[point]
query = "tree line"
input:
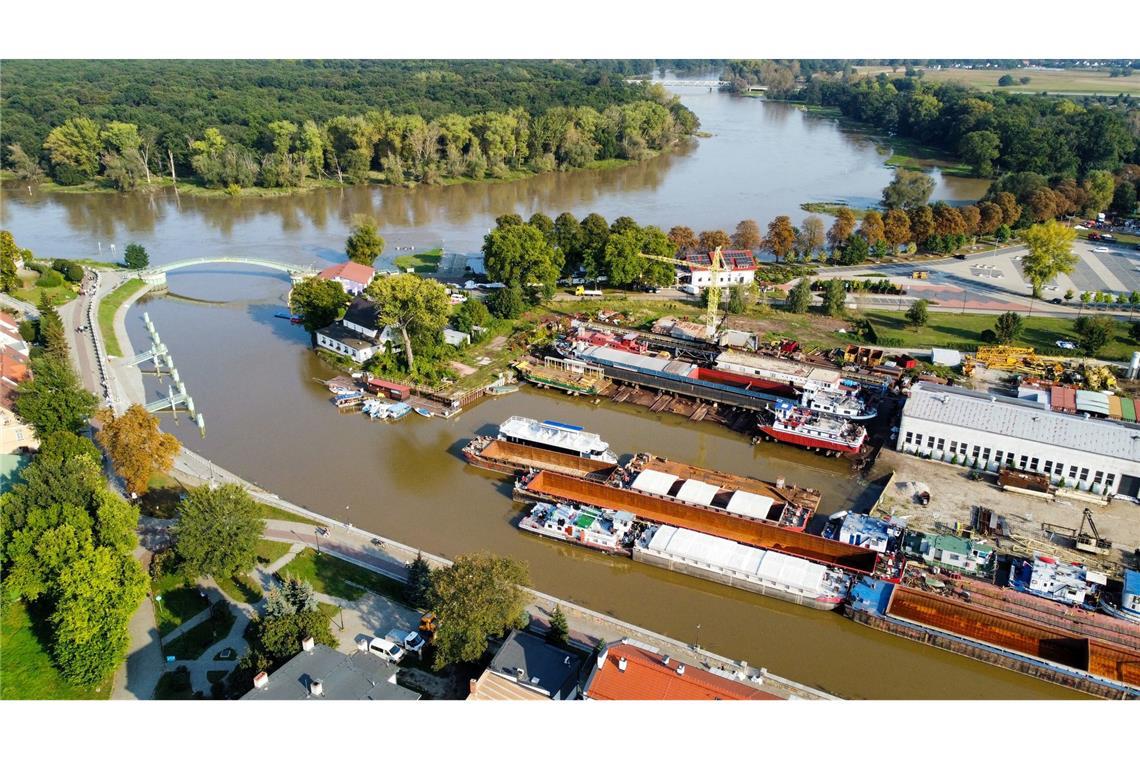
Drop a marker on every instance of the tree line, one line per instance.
(309, 135)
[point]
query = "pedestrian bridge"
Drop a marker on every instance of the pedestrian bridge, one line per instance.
(681, 82)
(156, 276)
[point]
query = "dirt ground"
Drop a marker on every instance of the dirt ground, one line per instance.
(952, 494)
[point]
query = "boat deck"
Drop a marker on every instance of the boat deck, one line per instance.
(551, 485)
(794, 495)
(523, 458)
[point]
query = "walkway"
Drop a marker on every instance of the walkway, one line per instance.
(139, 676)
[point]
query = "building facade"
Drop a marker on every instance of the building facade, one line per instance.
(987, 431)
(741, 269)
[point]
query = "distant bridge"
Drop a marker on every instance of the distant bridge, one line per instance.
(156, 276)
(681, 82)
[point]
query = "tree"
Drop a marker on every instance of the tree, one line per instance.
(747, 235)
(737, 302)
(135, 256)
(52, 399)
(811, 236)
(1008, 327)
(417, 592)
(855, 251)
(873, 228)
(506, 303)
(595, 232)
(1005, 80)
(1124, 198)
(520, 256)
(1134, 332)
(471, 313)
(623, 224)
(1069, 295)
(908, 189)
(364, 244)
(799, 297)
(9, 276)
(712, 239)
(1133, 302)
(1093, 333)
(26, 168)
(279, 637)
(1049, 253)
(479, 596)
(980, 149)
(781, 237)
(921, 223)
(415, 306)
(74, 149)
(319, 302)
(559, 632)
(841, 228)
(989, 218)
(834, 298)
(51, 333)
(896, 227)
(683, 237)
(568, 239)
(217, 531)
(1010, 210)
(1100, 186)
(136, 446)
(917, 314)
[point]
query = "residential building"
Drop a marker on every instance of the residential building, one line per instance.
(321, 672)
(13, 370)
(340, 339)
(740, 268)
(353, 277)
(362, 316)
(990, 431)
(526, 667)
(634, 671)
(15, 434)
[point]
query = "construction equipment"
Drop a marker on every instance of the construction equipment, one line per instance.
(1098, 377)
(1013, 359)
(716, 266)
(920, 275)
(1090, 543)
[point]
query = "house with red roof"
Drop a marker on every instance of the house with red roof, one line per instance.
(629, 671)
(353, 277)
(741, 268)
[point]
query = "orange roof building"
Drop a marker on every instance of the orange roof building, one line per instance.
(353, 277)
(627, 672)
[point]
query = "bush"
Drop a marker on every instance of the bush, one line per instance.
(74, 273)
(989, 336)
(50, 279)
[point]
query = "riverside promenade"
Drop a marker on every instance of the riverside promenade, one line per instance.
(390, 558)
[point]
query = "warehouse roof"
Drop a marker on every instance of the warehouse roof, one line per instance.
(1002, 415)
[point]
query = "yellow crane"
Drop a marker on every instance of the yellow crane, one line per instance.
(716, 266)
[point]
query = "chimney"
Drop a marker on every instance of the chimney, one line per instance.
(602, 658)
(316, 688)
(622, 663)
(307, 643)
(665, 662)
(520, 674)
(473, 686)
(681, 669)
(260, 680)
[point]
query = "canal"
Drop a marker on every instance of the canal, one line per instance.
(267, 419)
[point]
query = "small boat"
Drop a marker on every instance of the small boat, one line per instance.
(376, 409)
(344, 400)
(501, 390)
(398, 410)
(293, 319)
(423, 412)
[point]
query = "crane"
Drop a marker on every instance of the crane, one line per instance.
(716, 266)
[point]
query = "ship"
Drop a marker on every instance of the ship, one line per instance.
(770, 573)
(801, 426)
(556, 436)
(574, 377)
(602, 529)
(1129, 607)
(846, 404)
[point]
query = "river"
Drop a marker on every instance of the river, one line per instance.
(267, 420)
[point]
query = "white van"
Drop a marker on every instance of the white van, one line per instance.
(386, 649)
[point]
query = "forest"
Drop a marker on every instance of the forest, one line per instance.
(234, 124)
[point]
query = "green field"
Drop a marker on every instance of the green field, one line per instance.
(269, 552)
(26, 668)
(240, 588)
(180, 601)
(423, 263)
(335, 577)
(963, 331)
(107, 308)
(31, 293)
(276, 513)
(1061, 81)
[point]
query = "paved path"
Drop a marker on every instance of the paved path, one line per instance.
(145, 664)
(27, 309)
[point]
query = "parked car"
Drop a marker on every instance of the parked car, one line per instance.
(386, 649)
(1055, 300)
(411, 641)
(1100, 249)
(961, 256)
(1068, 345)
(692, 290)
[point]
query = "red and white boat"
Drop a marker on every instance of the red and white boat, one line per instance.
(801, 426)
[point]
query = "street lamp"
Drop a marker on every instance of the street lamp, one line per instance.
(698, 637)
(317, 533)
(347, 524)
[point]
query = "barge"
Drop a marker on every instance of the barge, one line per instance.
(515, 458)
(574, 377)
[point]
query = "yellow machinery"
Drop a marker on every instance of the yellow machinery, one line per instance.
(1098, 377)
(716, 266)
(920, 275)
(1014, 359)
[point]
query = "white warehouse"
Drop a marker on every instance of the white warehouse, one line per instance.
(988, 431)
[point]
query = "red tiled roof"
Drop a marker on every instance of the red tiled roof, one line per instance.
(9, 321)
(646, 677)
(349, 270)
(736, 260)
(12, 366)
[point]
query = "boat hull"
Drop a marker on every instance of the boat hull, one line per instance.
(825, 603)
(475, 460)
(807, 441)
(1111, 609)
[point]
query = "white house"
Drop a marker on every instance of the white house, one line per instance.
(358, 335)
(353, 277)
(741, 268)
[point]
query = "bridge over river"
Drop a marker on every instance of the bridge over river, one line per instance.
(156, 276)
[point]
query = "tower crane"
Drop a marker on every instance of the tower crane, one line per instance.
(716, 266)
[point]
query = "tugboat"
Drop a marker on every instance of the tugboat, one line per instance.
(804, 427)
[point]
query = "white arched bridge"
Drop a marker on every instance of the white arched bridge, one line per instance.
(156, 276)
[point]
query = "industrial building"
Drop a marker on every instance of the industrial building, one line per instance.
(989, 431)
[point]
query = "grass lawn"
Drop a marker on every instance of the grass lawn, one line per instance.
(269, 552)
(424, 263)
(32, 293)
(276, 513)
(831, 209)
(163, 495)
(335, 577)
(193, 643)
(174, 685)
(946, 329)
(1061, 81)
(27, 670)
(180, 601)
(240, 588)
(107, 308)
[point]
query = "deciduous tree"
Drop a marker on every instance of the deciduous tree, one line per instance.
(834, 298)
(747, 235)
(799, 297)
(136, 445)
(52, 398)
(364, 244)
(683, 237)
(418, 308)
(318, 302)
(519, 255)
(908, 189)
(811, 235)
(980, 149)
(873, 228)
(918, 314)
(1093, 333)
(479, 596)
(1049, 254)
(841, 228)
(713, 239)
(896, 227)
(1008, 327)
(781, 239)
(135, 256)
(217, 531)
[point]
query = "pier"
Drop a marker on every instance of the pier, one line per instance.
(177, 398)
